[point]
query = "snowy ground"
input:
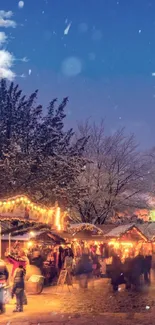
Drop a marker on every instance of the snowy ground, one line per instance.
(96, 305)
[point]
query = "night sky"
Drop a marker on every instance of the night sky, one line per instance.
(100, 53)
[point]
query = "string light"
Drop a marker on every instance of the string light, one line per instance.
(57, 219)
(46, 213)
(29, 244)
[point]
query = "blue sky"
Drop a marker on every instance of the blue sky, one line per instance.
(100, 53)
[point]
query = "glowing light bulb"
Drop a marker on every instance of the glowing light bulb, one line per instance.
(29, 244)
(32, 233)
(57, 219)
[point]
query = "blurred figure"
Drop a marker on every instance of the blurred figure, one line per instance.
(137, 270)
(68, 265)
(96, 265)
(18, 288)
(37, 260)
(4, 275)
(127, 269)
(84, 270)
(116, 273)
(147, 268)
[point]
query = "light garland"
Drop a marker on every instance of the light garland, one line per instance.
(85, 227)
(37, 213)
(24, 200)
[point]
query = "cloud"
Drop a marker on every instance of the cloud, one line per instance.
(6, 63)
(4, 19)
(6, 58)
(7, 74)
(3, 38)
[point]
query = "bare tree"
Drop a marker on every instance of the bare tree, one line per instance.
(115, 176)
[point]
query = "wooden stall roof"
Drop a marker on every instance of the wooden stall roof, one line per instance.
(148, 229)
(48, 236)
(106, 228)
(41, 236)
(85, 227)
(83, 231)
(120, 231)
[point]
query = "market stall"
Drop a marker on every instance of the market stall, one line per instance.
(21, 221)
(20, 213)
(124, 239)
(84, 236)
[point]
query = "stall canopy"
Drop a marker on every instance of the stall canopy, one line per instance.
(45, 237)
(48, 237)
(84, 231)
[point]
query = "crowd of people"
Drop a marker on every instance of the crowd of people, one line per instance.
(88, 264)
(134, 270)
(49, 263)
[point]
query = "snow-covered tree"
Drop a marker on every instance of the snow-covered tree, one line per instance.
(114, 178)
(37, 156)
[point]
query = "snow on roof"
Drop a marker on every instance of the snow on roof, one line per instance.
(77, 227)
(148, 229)
(106, 228)
(25, 237)
(120, 230)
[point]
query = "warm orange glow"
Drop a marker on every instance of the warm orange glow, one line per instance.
(29, 244)
(57, 219)
(44, 214)
(32, 233)
(116, 244)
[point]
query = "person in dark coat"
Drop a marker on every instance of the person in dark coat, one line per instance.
(147, 268)
(96, 264)
(18, 288)
(116, 271)
(60, 258)
(84, 270)
(137, 269)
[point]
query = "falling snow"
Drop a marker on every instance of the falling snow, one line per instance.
(21, 4)
(66, 31)
(71, 66)
(25, 59)
(30, 71)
